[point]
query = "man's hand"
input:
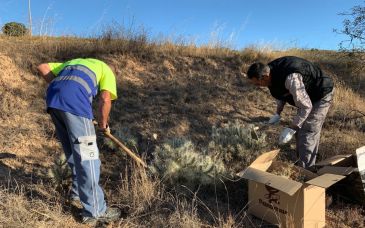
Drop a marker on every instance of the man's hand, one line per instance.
(274, 119)
(286, 135)
(45, 72)
(104, 130)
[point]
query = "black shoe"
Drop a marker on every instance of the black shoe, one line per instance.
(110, 215)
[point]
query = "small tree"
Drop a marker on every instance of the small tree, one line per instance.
(14, 29)
(354, 29)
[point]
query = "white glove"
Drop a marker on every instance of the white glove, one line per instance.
(286, 135)
(274, 119)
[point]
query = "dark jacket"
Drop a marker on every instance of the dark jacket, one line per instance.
(316, 83)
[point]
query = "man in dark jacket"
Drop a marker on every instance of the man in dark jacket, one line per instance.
(302, 84)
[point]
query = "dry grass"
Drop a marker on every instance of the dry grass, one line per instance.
(137, 191)
(166, 90)
(19, 208)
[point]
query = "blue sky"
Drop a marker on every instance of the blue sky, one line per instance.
(238, 23)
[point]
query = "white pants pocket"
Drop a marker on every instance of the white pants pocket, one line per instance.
(88, 148)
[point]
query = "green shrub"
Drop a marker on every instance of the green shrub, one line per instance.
(14, 29)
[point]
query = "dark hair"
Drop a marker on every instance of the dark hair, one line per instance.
(257, 70)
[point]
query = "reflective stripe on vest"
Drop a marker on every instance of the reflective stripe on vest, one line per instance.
(76, 79)
(84, 69)
(79, 74)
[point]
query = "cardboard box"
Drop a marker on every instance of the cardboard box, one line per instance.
(352, 188)
(285, 202)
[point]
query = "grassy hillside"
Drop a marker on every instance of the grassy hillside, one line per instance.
(165, 91)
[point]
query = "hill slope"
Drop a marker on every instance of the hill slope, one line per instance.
(164, 91)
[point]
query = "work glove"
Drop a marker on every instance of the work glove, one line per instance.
(274, 119)
(106, 130)
(286, 135)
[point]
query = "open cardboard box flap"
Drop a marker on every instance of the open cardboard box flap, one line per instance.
(264, 161)
(343, 164)
(256, 172)
(334, 160)
(336, 170)
(325, 180)
(283, 184)
(286, 185)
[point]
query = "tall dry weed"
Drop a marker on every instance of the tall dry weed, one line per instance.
(137, 191)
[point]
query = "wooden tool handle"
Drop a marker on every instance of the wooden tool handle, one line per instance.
(125, 149)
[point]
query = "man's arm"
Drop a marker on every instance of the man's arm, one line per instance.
(45, 72)
(294, 83)
(105, 105)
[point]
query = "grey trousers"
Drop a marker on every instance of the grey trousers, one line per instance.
(307, 138)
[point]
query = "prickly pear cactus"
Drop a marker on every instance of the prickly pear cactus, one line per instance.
(236, 142)
(178, 162)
